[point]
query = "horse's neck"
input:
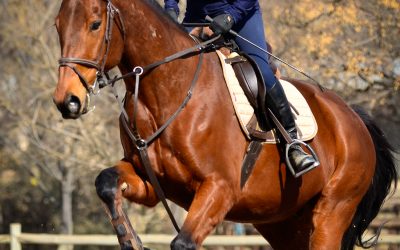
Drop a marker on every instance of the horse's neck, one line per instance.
(151, 36)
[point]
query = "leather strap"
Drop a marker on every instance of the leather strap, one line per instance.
(253, 151)
(197, 49)
(145, 161)
(83, 80)
(98, 63)
(64, 61)
(280, 127)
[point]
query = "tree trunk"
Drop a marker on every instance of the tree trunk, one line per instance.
(67, 187)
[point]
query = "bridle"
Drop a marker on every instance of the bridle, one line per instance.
(99, 63)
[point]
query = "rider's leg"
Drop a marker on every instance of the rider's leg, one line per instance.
(278, 102)
(253, 29)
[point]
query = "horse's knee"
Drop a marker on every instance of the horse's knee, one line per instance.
(106, 188)
(106, 184)
(183, 241)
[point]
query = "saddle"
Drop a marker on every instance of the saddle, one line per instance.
(246, 87)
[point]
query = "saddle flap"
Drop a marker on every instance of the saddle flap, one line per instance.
(246, 77)
(252, 83)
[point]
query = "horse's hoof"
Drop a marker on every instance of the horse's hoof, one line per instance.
(183, 242)
(127, 246)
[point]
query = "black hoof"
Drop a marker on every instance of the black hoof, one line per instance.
(126, 246)
(183, 242)
(106, 187)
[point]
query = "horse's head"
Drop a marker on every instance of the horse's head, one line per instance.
(91, 34)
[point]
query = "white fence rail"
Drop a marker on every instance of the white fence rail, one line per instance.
(16, 239)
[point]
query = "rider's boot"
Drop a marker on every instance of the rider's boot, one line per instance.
(279, 104)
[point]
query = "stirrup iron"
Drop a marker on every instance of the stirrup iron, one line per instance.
(289, 164)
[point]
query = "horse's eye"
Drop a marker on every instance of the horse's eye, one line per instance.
(95, 25)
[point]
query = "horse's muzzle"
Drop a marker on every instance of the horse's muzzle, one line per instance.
(70, 108)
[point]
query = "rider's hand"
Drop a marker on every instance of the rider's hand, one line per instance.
(172, 13)
(222, 24)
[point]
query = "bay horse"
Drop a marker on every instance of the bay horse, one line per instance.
(197, 158)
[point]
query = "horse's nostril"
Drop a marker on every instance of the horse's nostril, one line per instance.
(73, 105)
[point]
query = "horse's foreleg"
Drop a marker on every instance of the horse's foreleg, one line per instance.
(121, 181)
(210, 205)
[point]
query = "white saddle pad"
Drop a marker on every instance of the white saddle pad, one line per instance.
(305, 121)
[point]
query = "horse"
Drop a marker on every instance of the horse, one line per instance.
(197, 158)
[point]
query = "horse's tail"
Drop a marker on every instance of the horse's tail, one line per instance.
(385, 175)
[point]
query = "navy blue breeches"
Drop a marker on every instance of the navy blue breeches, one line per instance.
(252, 28)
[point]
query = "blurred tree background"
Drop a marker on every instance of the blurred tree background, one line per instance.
(48, 165)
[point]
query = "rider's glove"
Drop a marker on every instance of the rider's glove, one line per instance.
(222, 24)
(172, 13)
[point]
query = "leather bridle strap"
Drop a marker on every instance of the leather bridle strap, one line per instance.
(87, 63)
(67, 62)
(98, 64)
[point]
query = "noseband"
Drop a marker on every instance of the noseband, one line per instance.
(98, 64)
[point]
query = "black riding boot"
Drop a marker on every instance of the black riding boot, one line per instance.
(279, 105)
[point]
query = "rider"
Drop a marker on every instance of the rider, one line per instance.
(244, 17)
